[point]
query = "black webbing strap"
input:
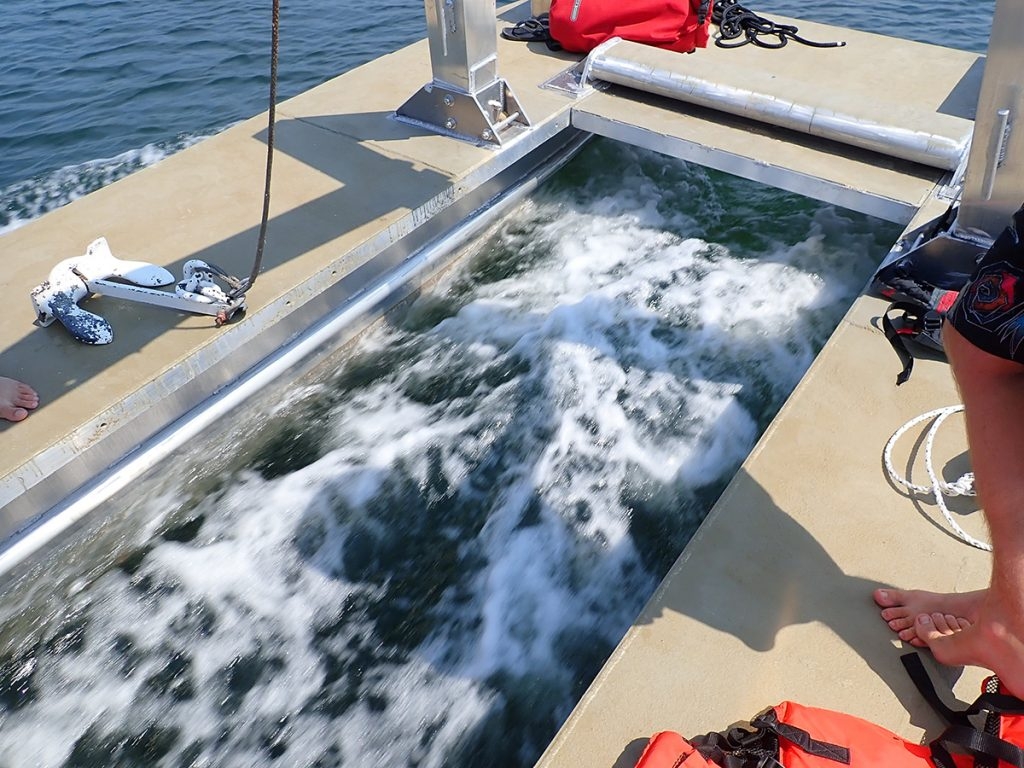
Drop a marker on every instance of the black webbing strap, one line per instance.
(803, 739)
(895, 338)
(999, 703)
(941, 756)
(919, 677)
(993, 721)
(725, 758)
(740, 748)
(961, 734)
(983, 744)
(990, 701)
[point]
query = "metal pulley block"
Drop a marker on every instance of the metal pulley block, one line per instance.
(74, 279)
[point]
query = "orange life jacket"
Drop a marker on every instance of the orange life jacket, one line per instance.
(791, 735)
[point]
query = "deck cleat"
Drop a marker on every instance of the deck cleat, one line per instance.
(74, 279)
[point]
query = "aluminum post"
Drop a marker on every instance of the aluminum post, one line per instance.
(994, 180)
(466, 98)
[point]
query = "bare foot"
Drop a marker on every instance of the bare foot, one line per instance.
(989, 643)
(16, 399)
(901, 606)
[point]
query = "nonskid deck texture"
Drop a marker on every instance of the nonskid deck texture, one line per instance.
(772, 598)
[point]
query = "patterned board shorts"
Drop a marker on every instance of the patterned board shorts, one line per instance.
(989, 311)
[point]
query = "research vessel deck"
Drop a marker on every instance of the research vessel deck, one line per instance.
(771, 599)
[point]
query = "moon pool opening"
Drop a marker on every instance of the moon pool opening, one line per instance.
(423, 554)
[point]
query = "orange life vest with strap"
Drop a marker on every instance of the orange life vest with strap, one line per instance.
(791, 735)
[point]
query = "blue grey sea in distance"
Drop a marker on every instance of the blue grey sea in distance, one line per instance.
(93, 89)
(423, 557)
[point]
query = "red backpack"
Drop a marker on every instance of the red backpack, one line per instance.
(677, 25)
(794, 736)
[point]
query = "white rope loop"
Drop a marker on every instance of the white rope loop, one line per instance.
(963, 486)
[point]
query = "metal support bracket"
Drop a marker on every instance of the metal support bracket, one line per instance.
(484, 117)
(466, 99)
(72, 280)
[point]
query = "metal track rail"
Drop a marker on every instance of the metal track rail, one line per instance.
(320, 340)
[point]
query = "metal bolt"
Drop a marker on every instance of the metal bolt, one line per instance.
(487, 135)
(448, 100)
(450, 123)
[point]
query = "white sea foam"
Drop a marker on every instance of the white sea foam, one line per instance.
(26, 201)
(509, 463)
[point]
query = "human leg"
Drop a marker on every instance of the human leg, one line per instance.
(992, 389)
(984, 340)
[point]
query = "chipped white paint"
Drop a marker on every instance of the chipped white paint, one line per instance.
(72, 280)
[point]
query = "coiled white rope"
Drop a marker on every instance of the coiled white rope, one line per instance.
(963, 486)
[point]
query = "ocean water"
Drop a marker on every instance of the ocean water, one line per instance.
(94, 89)
(422, 556)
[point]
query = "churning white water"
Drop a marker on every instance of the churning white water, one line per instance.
(423, 558)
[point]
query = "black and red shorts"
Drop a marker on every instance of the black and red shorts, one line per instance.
(989, 312)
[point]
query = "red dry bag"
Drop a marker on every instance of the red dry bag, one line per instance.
(677, 25)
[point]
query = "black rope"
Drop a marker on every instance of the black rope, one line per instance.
(261, 241)
(736, 23)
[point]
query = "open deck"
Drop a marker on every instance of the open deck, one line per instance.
(771, 599)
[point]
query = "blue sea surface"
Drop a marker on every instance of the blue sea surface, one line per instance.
(87, 80)
(93, 89)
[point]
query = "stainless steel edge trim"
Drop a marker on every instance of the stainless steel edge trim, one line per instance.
(780, 177)
(396, 268)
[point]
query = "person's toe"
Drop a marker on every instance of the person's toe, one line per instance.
(931, 626)
(12, 413)
(910, 636)
(924, 624)
(888, 598)
(26, 397)
(898, 623)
